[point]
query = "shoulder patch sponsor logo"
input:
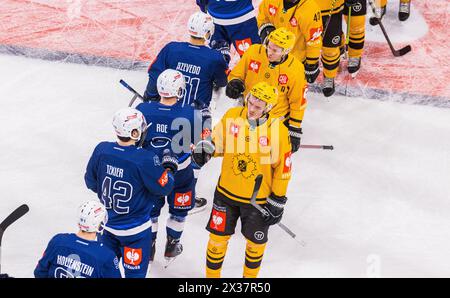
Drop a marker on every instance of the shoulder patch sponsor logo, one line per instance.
(234, 130)
(183, 199)
(218, 220)
(272, 9)
(283, 79)
(132, 256)
(254, 66)
(263, 141)
(164, 179)
(243, 45)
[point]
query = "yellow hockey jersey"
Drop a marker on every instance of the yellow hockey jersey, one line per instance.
(333, 6)
(248, 151)
(288, 77)
(304, 20)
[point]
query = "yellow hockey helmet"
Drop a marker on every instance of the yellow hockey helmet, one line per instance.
(283, 38)
(265, 92)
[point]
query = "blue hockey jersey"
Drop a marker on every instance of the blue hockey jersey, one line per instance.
(127, 180)
(69, 256)
(175, 128)
(228, 12)
(201, 66)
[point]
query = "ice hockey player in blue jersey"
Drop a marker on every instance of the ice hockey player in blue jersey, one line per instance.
(235, 22)
(203, 68)
(129, 181)
(80, 255)
(175, 128)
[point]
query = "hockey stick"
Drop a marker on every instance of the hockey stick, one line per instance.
(377, 21)
(136, 94)
(324, 147)
(329, 18)
(258, 181)
(14, 216)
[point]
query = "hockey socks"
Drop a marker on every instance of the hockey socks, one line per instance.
(217, 248)
(253, 257)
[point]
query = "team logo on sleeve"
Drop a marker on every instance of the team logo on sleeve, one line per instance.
(243, 45)
(183, 200)
(218, 220)
(234, 130)
(287, 162)
(164, 179)
(272, 10)
(283, 79)
(293, 21)
(132, 256)
(254, 66)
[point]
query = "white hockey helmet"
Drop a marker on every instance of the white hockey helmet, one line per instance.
(92, 217)
(200, 24)
(171, 83)
(128, 119)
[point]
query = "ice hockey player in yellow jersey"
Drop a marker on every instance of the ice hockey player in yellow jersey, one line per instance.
(334, 39)
(251, 142)
(404, 8)
(301, 17)
(273, 63)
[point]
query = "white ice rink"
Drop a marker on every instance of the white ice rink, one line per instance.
(378, 205)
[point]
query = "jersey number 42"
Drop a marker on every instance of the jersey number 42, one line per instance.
(116, 195)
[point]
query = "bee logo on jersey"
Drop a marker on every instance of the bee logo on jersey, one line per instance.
(164, 179)
(183, 200)
(293, 21)
(244, 165)
(254, 66)
(132, 256)
(234, 129)
(218, 220)
(272, 10)
(283, 79)
(243, 45)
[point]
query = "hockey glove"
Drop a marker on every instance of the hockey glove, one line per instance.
(264, 31)
(311, 72)
(234, 88)
(203, 5)
(274, 209)
(202, 152)
(295, 134)
(169, 162)
(223, 47)
(148, 97)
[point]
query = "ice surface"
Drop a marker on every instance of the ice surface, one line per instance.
(375, 206)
